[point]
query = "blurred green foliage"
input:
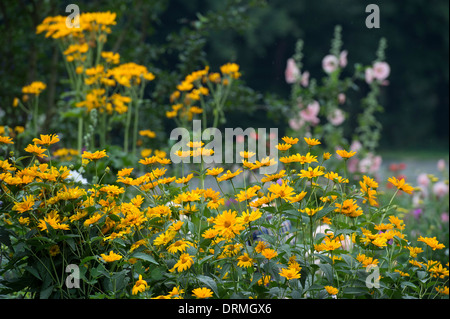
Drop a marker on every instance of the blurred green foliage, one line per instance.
(175, 37)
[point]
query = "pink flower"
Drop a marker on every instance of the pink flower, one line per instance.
(370, 164)
(441, 165)
(240, 138)
(341, 98)
(304, 81)
(369, 75)
(330, 63)
(444, 217)
(352, 165)
(381, 71)
(343, 58)
(440, 189)
(337, 117)
(310, 113)
(292, 73)
(423, 180)
(296, 124)
(356, 146)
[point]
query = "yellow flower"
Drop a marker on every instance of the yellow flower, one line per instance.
(184, 180)
(331, 290)
(139, 286)
(289, 273)
(46, 139)
(245, 261)
(348, 208)
(401, 184)
(432, 242)
(290, 140)
(111, 257)
(202, 293)
(283, 147)
(269, 253)
(6, 140)
(311, 211)
(94, 156)
(284, 191)
(247, 194)
(179, 245)
(227, 224)
(311, 173)
(36, 150)
(312, 141)
(185, 262)
(344, 154)
(246, 154)
(326, 156)
(228, 175)
(34, 88)
(24, 206)
(147, 133)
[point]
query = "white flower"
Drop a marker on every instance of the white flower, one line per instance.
(77, 177)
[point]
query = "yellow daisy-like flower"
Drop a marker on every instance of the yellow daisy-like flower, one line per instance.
(289, 273)
(6, 140)
(214, 171)
(432, 242)
(94, 156)
(111, 257)
(227, 224)
(229, 175)
(331, 290)
(269, 253)
(290, 140)
(247, 155)
(35, 150)
(344, 154)
(245, 261)
(202, 293)
(283, 147)
(401, 185)
(312, 141)
(139, 286)
(311, 173)
(46, 139)
(185, 262)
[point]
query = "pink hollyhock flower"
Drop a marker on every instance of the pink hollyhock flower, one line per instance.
(440, 189)
(341, 98)
(296, 124)
(292, 73)
(330, 63)
(369, 75)
(381, 71)
(337, 117)
(309, 114)
(356, 146)
(352, 165)
(441, 165)
(304, 81)
(370, 164)
(444, 217)
(343, 58)
(423, 180)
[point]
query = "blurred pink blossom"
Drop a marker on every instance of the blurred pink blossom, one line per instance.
(292, 73)
(352, 165)
(441, 165)
(440, 189)
(240, 138)
(296, 124)
(304, 81)
(370, 164)
(330, 63)
(381, 71)
(444, 217)
(356, 146)
(423, 180)
(309, 114)
(369, 75)
(337, 117)
(343, 58)
(341, 98)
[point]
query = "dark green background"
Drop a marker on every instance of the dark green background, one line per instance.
(169, 38)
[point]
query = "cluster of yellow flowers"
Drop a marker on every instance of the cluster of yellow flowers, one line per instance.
(162, 228)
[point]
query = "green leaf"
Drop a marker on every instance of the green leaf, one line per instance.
(328, 271)
(145, 257)
(209, 282)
